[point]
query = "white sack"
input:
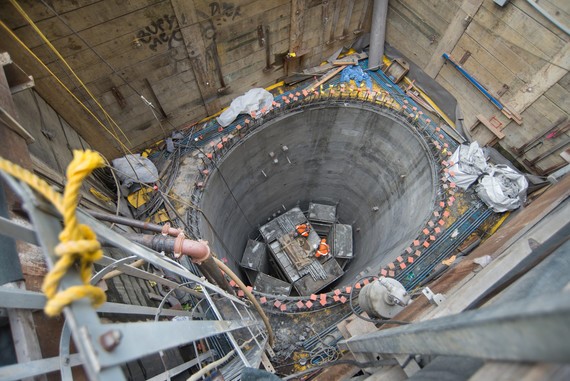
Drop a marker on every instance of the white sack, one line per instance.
(252, 101)
(135, 169)
(502, 189)
(468, 164)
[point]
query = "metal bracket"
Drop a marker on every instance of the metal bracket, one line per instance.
(436, 299)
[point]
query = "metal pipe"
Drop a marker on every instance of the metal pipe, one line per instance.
(377, 33)
(211, 268)
(164, 229)
(199, 252)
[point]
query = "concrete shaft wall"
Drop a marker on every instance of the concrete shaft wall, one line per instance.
(354, 155)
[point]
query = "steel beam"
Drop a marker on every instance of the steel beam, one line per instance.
(138, 273)
(144, 338)
(22, 299)
(13, 229)
(35, 368)
(79, 314)
(181, 368)
(148, 255)
(527, 330)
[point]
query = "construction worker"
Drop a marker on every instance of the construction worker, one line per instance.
(323, 249)
(303, 230)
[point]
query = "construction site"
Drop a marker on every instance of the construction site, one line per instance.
(364, 190)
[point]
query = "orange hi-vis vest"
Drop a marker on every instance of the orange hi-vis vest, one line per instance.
(303, 230)
(323, 249)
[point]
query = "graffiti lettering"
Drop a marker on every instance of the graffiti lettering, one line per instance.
(223, 9)
(161, 31)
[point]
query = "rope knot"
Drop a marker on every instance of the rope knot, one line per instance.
(78, 243)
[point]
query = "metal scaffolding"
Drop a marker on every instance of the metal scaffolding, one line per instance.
(104, 348)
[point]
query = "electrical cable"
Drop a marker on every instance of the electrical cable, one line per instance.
(375, 321)
(17, 39)
(115, 72)
(49, 44)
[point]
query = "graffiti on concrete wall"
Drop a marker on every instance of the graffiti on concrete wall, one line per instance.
(163, 30)
(224, 10)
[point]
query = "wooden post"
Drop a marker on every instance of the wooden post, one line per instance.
(296, 35)
(193, 39)
(16, 150)
(452, 34)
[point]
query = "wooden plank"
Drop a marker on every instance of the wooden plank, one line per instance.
(121, 55)
(31, 117)
(348, 17)
(37, 11)
(326, 22)
(502, 50)
(496, 22)
(535, 35)
(220, 14)
(558, 9)
(119, 32)
(535, 124)
(472, 102)
(296, 35)
(483, 66)
(488, 26)
(72, 139)
(543, 80)
(234, 50)
(453, 33)
(550, 110)
(425, 16)
(560, 96)
(415, 46)
(196, 48)
(60, 100)
(238, 39)
(325, 78)
(334, 22)
(297, 26)
(82, 19)
(484, 121)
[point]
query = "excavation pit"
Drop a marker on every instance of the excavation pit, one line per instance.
(369, 161)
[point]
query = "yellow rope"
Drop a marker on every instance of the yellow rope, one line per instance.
(78, 243)
(34, 182)
(46, 40)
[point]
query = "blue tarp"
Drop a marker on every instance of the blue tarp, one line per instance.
(356, 73)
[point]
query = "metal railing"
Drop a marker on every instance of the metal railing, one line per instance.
(104, 348)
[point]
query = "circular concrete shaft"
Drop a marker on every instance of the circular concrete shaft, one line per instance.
(369, 161)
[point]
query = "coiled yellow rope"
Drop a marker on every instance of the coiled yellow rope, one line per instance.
(78, 243)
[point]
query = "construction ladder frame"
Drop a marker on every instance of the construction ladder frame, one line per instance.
(129, 341)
